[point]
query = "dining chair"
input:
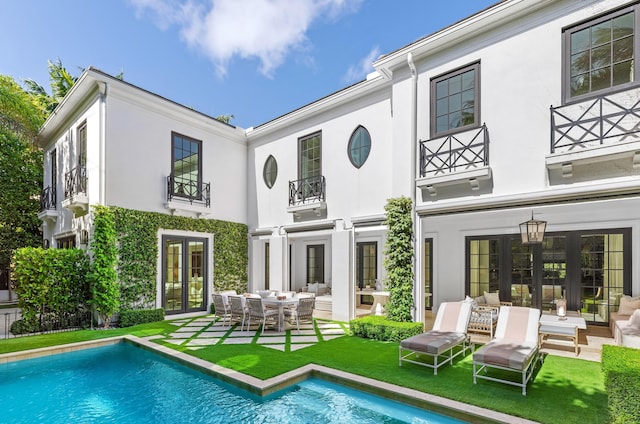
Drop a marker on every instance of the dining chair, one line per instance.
(258, 312)
(302, 312)
(238, 310)
(221, 309)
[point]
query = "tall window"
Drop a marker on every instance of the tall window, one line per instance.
(315, 263)
(68, 242)
(455, 100)
(359, 146)
(186, 166)
(310, 156)
(599, 54)
(82, 145)
(483, 266)
(428, 272)
(53, 157)
(266, 265)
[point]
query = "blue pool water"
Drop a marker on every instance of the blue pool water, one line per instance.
(122, 383)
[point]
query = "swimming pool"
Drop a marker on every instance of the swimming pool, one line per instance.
(122, 383)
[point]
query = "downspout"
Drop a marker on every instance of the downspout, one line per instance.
(102, 90)
(414, 146)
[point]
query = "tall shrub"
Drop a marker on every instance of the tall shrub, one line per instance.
(398, 260)
(50, 284)
(104, 285)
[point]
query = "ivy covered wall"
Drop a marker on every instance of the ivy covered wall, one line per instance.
(137, 239)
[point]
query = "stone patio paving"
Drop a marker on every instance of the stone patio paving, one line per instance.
(196, 333)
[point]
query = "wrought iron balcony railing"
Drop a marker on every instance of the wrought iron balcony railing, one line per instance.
(48, 199)
(604, 120)
(306, 190)
(185, 188)
(456, 152)
(75, 182)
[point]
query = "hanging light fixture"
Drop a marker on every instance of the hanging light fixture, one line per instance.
(532, 231)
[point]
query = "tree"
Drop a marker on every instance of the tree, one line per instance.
(20, 170)
(61, 82)
(398, 260)
(224, 118)
(104, 278)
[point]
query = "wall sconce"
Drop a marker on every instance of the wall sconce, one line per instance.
(84, 237)
(561, 308)
(532, 231)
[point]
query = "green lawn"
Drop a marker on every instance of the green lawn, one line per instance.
(565, 390)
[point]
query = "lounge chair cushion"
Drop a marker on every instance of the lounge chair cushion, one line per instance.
(514, 354)
(433, 342)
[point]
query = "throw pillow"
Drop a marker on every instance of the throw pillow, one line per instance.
(492, 299)
(628, 304)
(634, 321)
(480, 300)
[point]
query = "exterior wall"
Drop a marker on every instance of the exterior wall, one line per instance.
(138, 157)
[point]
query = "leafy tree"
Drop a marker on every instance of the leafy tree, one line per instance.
(398, 260)
(20, 170)
(104, 285)
(61, 82)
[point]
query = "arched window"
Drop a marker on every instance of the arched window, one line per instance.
(270, 172)
(359, 146)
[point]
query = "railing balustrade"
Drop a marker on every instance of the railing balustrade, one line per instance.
(460, 151)
(185, 188)
(75, 182)
(48, 199)
(604, 120)
(311, 189)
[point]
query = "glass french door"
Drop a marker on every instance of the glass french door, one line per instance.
(366, 268)
(183, 275)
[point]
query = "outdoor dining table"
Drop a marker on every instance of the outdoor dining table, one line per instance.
(280, 303)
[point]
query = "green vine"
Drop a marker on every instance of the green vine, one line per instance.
(137, 240)
(398, 260)
(104, 285)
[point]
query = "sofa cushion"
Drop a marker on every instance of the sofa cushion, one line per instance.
(628, 304)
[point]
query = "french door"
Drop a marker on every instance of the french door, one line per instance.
(590, 269)
(366, 268)
(184, 271)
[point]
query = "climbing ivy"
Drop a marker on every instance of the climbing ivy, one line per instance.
(137, 241)
(105, 291)
(398, 259)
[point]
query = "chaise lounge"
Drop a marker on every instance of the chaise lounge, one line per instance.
(514, 348)
(448, 334)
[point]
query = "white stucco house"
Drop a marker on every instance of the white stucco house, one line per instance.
(529, 108)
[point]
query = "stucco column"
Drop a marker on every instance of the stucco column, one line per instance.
(342, 289)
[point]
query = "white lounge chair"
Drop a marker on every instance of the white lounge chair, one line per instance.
(449, 333)
(514, 348)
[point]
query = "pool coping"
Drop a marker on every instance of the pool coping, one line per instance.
(452, 408)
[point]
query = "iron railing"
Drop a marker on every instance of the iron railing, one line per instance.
(455, 152)
(48, 199)
(75, 182)
(47, 323)
(191, 190)
(311, 189)
(607, 119)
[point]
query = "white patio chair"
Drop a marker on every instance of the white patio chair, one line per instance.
(258, 312)
(238, 310)
(221, 310)
(303, 311)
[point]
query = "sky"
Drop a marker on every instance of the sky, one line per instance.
(253, 59)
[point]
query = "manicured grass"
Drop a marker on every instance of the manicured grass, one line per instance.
(565, 390)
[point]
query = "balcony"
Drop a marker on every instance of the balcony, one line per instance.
(188, 195)
(602, 133)
(307, 196)
(48, 212)
(458, 163)
(75, 191)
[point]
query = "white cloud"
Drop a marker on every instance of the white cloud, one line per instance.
(267, 30)
(360, 70)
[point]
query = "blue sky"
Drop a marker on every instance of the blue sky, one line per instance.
(254, 59)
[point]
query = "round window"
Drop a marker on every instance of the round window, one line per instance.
(359, 146)
(270, 172)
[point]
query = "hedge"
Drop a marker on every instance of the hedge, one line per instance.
(383, 329)
(131, 317)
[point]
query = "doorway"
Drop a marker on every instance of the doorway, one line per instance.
(184, 270)
(366, 268)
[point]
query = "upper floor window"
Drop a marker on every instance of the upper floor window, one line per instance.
(359, 146)
(309, 161)
(53, 157)
(186, 166)
(455, 100)
(599, 54)
(82, 144)
(270, 171)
